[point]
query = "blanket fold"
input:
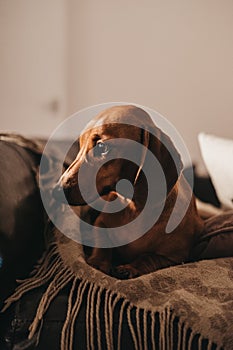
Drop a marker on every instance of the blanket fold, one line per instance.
(190, 304)
(197, 295)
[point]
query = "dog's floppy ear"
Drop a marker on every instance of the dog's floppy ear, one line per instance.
(164, 150)
(145, 137)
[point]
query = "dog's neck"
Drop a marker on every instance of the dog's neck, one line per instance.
(140, 196)
(140, 191)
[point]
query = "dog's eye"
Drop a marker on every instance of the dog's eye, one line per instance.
(101, 149)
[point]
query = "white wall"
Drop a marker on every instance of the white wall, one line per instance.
(173, 56)
(33, 72)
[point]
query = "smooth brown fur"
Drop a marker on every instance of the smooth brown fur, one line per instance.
(155, 249)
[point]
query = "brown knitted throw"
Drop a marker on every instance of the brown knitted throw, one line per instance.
(199, 295)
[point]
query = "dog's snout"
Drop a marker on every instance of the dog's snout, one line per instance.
(58, 193)
(67, 194)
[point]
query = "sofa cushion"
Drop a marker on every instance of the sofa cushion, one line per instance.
(22, 217)
(217, 154)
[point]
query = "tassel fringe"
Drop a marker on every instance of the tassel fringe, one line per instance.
(149, 330)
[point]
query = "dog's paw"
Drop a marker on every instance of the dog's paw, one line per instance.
(101, 265)
(125, 272)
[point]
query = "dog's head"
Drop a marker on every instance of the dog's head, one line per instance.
(106, 148)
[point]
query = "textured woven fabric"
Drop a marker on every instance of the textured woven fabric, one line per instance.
(200, 294)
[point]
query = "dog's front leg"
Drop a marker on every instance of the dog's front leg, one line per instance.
(144, 264)
(101, 259)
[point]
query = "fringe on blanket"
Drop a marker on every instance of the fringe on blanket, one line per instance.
(149, 330)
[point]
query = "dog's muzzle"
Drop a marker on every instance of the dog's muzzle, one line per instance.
(60, 193)
(68, 195)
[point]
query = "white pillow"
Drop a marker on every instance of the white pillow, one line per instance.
(217, 154)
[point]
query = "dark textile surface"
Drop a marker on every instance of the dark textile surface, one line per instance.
(22, 218)
(199, 293)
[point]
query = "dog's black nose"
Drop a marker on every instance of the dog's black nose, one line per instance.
(67, 195)
(58, 193)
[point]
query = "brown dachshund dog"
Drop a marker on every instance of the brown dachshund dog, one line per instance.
(155, 249)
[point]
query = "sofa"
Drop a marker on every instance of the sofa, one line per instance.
(48, 305)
